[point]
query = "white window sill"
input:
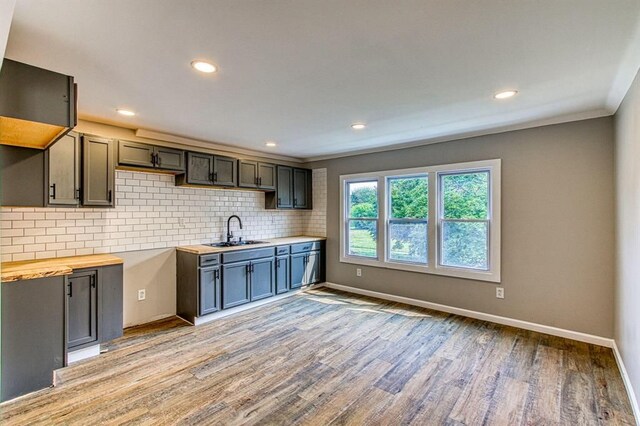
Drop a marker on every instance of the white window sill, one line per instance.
(440, 270)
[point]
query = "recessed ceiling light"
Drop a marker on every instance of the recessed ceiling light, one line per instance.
(126, 112)
(204, 66)
(358, 126)
(506, 94)
(270, 144)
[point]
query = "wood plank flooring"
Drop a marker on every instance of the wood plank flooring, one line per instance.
(327, 357)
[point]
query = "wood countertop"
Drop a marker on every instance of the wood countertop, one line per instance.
(270, 242)
(30, 269)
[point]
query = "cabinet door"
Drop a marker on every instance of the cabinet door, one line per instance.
(266, 176)
(82, 314)
(209, 290)
(285, 187)
(282, 274)
(110, 301)
(64, 171)
(298, 275)
(262, 278)
(98, 178)
(224, 171)
(169, 158)
(300, 189)
(247, 174)
(313, 268)
(135, 154)
(235, 284)
(199, 169)
(33, 343)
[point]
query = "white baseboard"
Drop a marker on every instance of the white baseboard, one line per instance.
(83, 353)
(554, 331)
(627, 383)
(248, 306)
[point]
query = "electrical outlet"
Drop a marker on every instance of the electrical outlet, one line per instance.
(500, 292)
(358, 272)
(142, 294)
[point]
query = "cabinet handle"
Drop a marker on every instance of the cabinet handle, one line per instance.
(295, 202)
(70, 294)
(260, 181)
(279, 201)
(216, 274)
(252, 268)
(93, 281)
(110, 195)
(77, 194)
(215, 177)
(158, 160)
(153, 159)
(52, 193)
(248, 268)
(277, 263)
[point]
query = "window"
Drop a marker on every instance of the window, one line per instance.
(362, 220)
(440, 219)
(408, 219)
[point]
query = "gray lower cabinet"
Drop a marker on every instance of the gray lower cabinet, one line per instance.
(236, 284)
(94, 306)
(262, 278)
(209, 288)
(207, 283)
(306, 264)
(33, 343)
(282, 274)
(98, 175)
(82, 309)
(62, 161)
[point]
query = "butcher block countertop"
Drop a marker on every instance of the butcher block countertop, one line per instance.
(268, 242)
(30, 269)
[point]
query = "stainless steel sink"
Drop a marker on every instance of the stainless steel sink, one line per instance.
(235, 243)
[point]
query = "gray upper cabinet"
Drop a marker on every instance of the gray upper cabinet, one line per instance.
(169, 158)
(266, 176)
(138, 154)
(224, 171)
(285, 187)
(63, 171)
(248, 174)
(98, 177)
(22, 177)
(135, 154)
(199, 169)
(82, 309)
(254, 174)
(293, 189)
(301, 189)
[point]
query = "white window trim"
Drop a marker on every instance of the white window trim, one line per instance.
(382, 261)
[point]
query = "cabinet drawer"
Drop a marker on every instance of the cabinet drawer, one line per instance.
(303, 247)
(209, 259)
(241, 255)
(282, 250)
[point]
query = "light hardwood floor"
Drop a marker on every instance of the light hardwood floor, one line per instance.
(326, 357)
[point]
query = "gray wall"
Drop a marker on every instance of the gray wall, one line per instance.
(627, 321)
(557, 226)
(154, 271)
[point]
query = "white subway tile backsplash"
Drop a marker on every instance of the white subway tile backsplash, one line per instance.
(152, 212)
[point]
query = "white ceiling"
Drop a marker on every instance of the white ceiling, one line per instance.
(301, 71)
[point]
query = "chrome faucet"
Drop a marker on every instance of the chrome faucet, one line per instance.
(229, 234)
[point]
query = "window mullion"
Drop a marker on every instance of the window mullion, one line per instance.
(382, 219)
(432, 225)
